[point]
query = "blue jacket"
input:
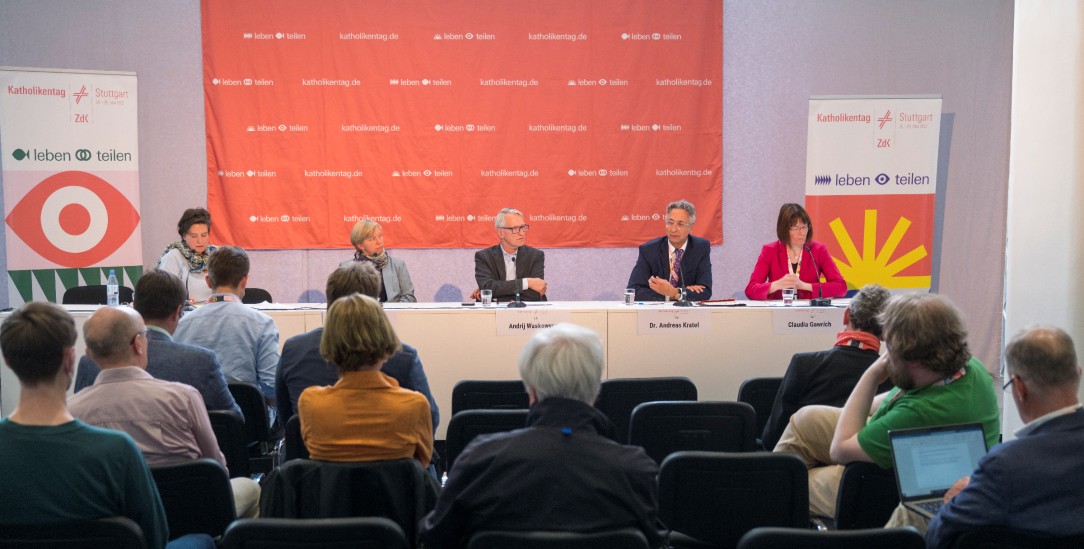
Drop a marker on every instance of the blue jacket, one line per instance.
(1032, 484)
(654, 260)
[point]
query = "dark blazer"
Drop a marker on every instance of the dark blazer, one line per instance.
(173, 361)
(1032, 483)
(654, 260)
(301, 367)
(821, 377)
(489, 272)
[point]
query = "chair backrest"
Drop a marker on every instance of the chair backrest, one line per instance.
(475, 394)
(229, 428)
(93, 295)
(759, 392)
(617, 398)
(467, 425)
(716, 497)
(295, 445)
(663, 428)
(400, 490)
(996, 537)
(252, 403)
(197, 496)
(867, 496)
(256, 295)
(805, 538)
(335, 533)
(106, 533)
(626, 538)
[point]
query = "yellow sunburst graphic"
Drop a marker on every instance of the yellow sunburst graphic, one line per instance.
(873, 266)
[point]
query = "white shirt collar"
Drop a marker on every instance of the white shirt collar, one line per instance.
(1045, 418)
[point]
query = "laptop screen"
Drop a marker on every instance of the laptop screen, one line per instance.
(929, 460)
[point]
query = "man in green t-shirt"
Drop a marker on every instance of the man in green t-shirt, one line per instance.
(937, 382)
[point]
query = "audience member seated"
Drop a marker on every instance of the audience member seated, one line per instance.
(159, 298)
(167, 420)
(301, 365)
(53, 467)
(245, 340)
(828, 377)
(1032, 483)
(677, 259)
(936, 382)
(511, 265)
(558, 473)
(366, 415)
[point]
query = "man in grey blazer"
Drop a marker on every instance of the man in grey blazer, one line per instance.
(159, 297)
(511, 264)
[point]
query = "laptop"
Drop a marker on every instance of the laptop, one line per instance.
(929, 460)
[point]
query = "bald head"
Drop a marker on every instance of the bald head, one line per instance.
(1041, 361)
(116, 337)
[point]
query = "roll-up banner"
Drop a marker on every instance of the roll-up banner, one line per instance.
(71, 180)
(871, 180)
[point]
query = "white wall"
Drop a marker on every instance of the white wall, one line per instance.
(1045, 224)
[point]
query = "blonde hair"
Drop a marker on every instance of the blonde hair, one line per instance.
(362, 231)
(357, 334)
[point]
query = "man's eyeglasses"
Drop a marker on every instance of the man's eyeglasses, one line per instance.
(517, 229)
(1005, 387)
(680, 224)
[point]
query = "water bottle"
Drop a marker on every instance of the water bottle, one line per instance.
(112, 289)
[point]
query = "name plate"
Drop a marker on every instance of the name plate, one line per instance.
(527, 321)
(794, 320)
(673, 322)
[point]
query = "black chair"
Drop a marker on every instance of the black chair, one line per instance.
(867, 496)
(711, 499)
(229, 428)
(106, 533)
(663, 428)
(626, 538)
(258, 435)
(997, 537)
(804, 538)
(93, 295)
(617, 398)
(472, 394)
(399, 490)
(344, 533)
(295, 445)
(197, 496)
(760, 393)
(256, 295)
(464, 426)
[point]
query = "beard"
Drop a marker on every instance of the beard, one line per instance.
(899, 374)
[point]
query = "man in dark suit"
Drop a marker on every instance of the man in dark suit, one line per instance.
(301, 365)
(510, 264)
(828, 377)
(1032, 483)
(159, 298)
(678, 259)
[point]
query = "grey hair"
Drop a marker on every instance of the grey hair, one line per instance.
(683, 205)
(866, 307)
(564, 361)
(1043, 355)
(498, 221)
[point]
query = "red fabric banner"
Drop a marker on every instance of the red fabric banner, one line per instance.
(431, 116)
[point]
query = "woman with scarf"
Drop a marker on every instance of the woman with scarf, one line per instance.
(367, 237)
(828, 377)
(187, 259)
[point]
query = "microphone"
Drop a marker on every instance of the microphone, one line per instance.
(820, 300)
(683, 300)
(517, 303)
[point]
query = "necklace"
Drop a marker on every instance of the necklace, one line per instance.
(795, 263)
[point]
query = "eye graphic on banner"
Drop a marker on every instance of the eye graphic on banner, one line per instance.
(74, 219)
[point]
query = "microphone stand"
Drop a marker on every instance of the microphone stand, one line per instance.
(517, 303)
(683, 300)
(820, 300)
